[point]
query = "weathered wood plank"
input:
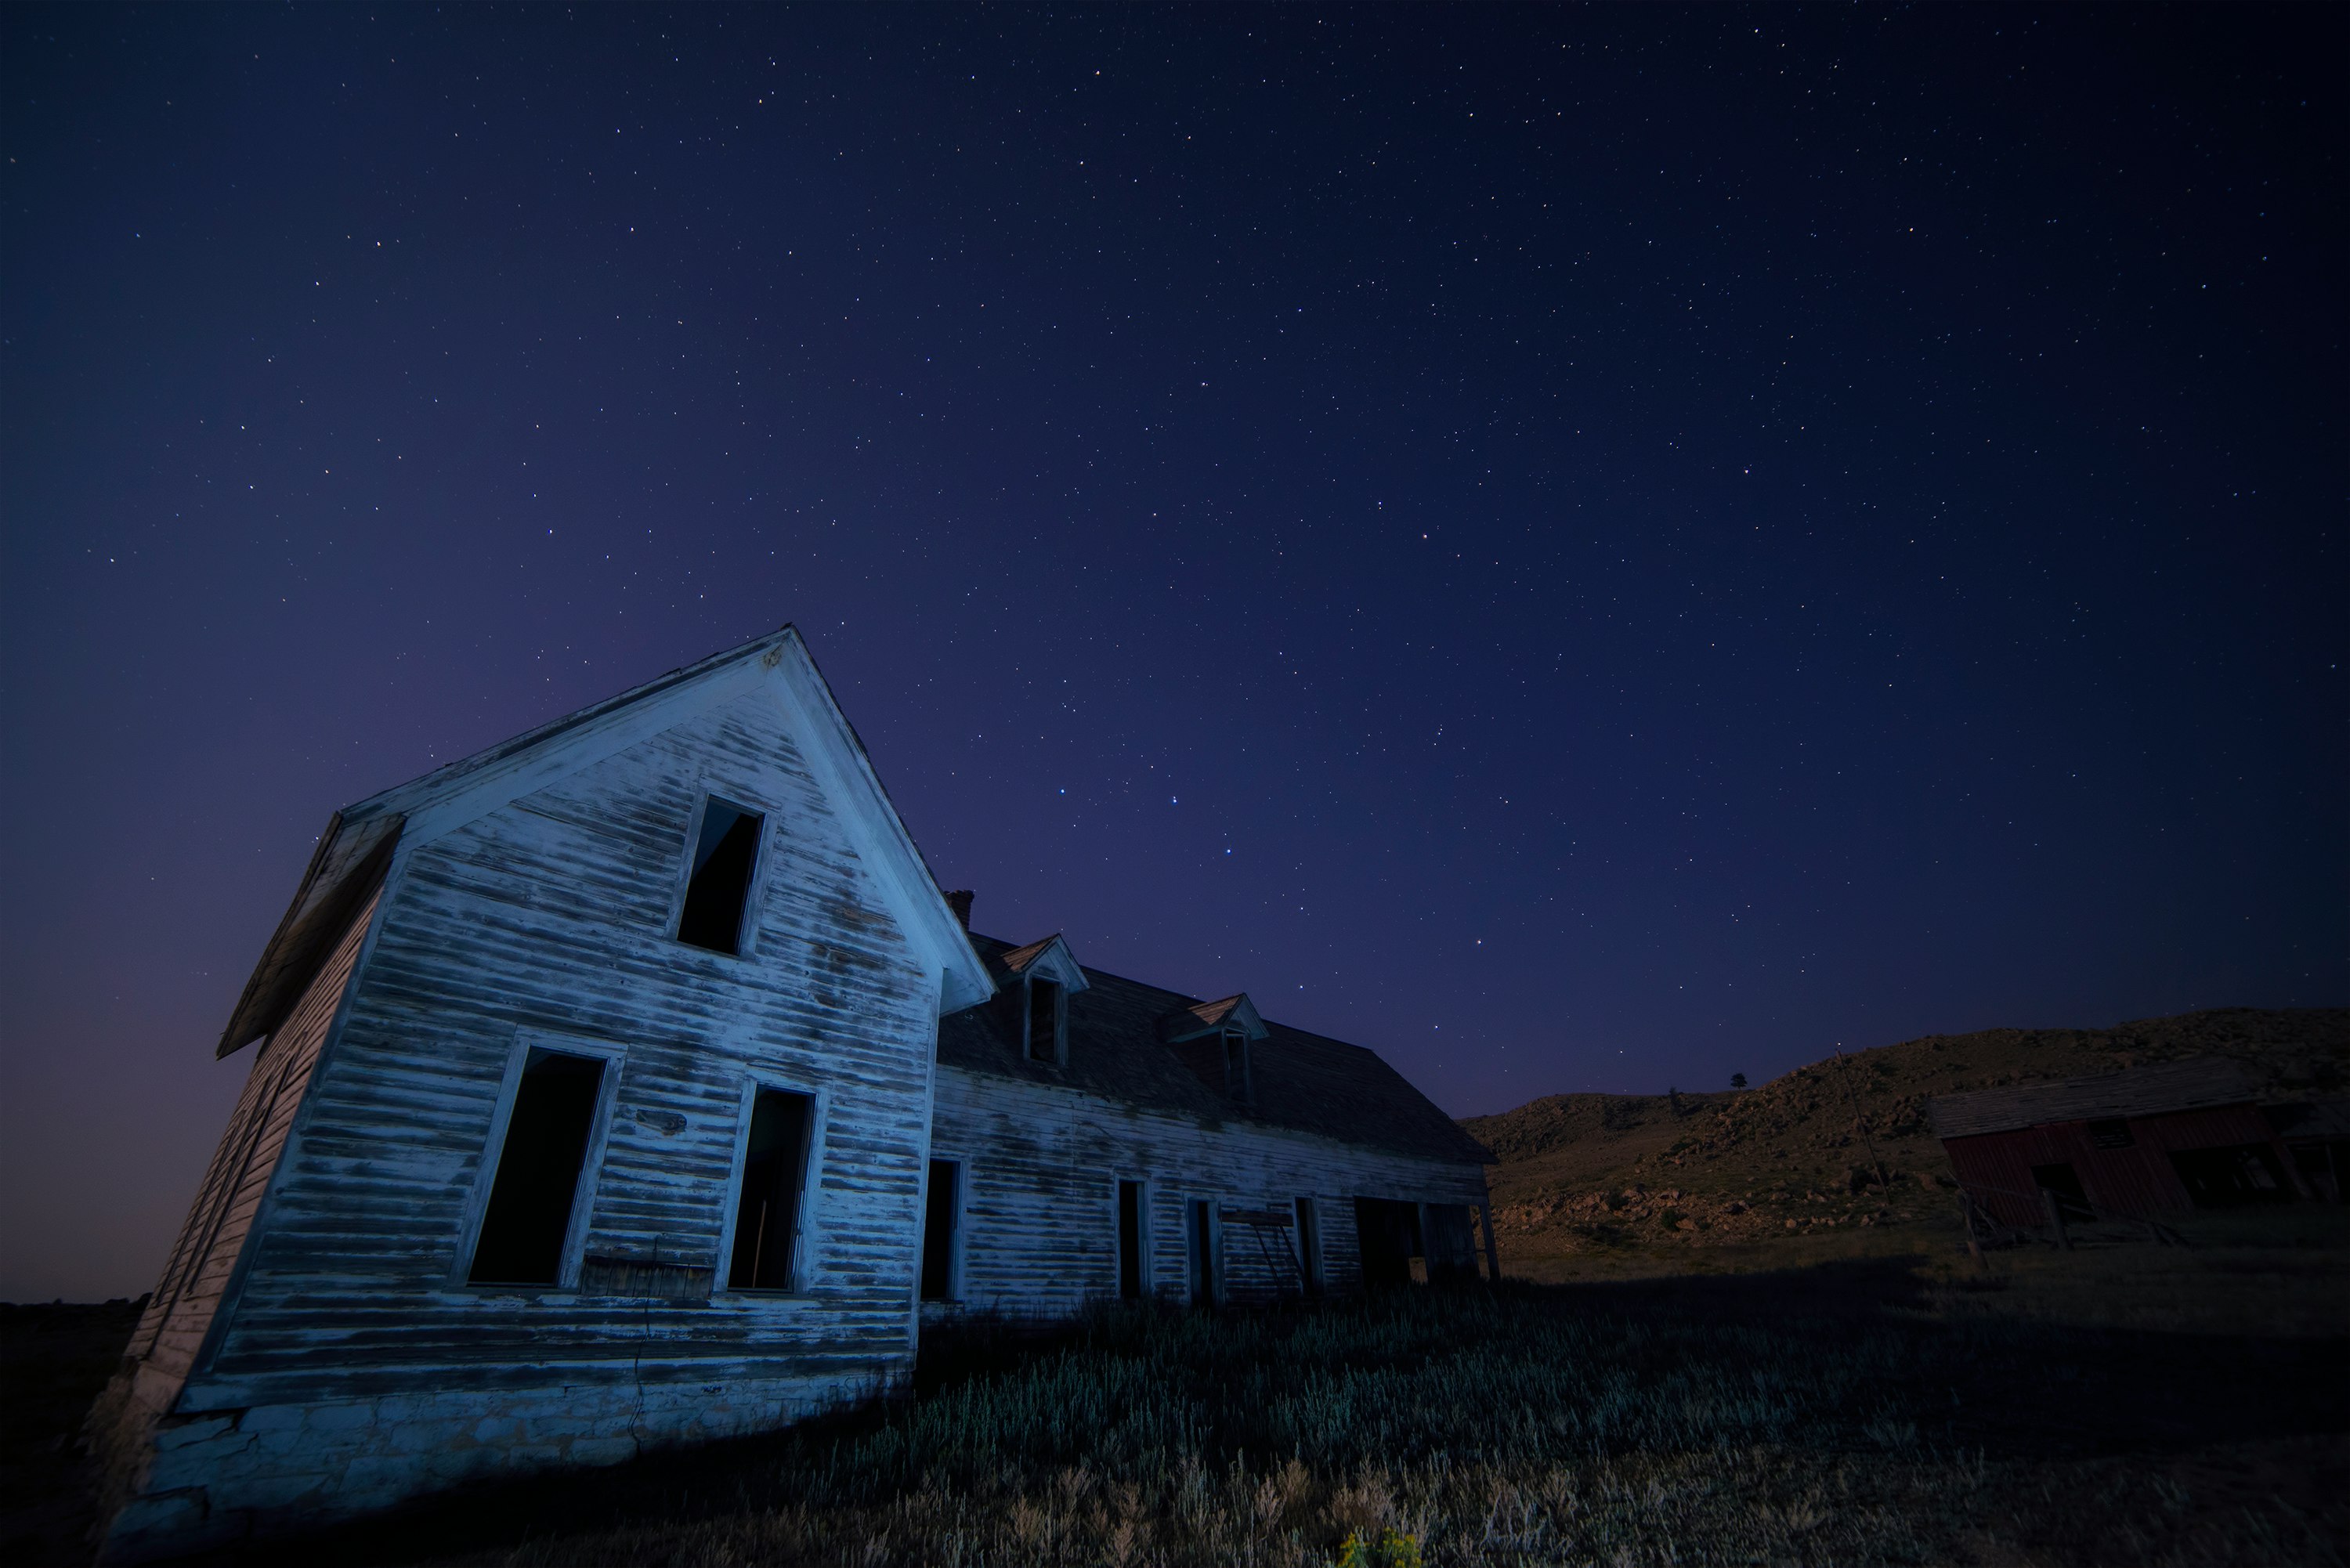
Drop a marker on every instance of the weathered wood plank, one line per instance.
(551, 913)
(1042, 1167)
(177, 1321)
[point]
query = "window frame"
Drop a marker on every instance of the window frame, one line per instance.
(1144, 1283)
(746, 935)
(1244, 1092)
(1211, 1246)
(804, 1218)
(614, 1056)
(960, 1207)
(1060, 1057)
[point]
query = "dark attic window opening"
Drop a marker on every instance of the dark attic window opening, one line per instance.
(2114, 1134)
(766, 1215)
(1236, 1066)
(1044, 1021)
(724, 857)
(538, 1183)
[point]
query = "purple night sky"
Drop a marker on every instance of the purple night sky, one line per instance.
(1579, 549)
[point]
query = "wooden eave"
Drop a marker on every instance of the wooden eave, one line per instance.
(348, 866)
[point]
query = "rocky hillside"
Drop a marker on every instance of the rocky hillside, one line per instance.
(1804, 1151)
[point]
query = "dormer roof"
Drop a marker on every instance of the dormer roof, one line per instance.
(1048, 958)
(1213, 1018)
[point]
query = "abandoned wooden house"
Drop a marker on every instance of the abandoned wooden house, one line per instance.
(633, 1083)
(2132, 1144)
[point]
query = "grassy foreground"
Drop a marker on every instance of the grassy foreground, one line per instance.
(1857, 1411)
(2122, 1403)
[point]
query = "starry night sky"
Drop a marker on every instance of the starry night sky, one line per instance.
(1580, 549)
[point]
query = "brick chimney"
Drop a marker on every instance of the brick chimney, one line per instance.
(959, 902)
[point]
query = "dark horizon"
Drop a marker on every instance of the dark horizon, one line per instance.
(1577, 549)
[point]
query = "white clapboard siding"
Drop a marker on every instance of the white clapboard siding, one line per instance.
(551, 915)
(197, 1274)
(1041, 1167)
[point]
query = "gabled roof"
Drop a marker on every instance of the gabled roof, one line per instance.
(1304, 1082)
(2201, 1082)
(358, 844)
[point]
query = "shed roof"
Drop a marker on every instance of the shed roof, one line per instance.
(1302, 1081)
(2197, 1084)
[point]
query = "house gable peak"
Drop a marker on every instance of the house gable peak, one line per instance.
(360, 841)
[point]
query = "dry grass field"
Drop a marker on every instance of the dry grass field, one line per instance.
(2122, 1403)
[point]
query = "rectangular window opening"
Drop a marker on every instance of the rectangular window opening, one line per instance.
(766, 1217)
(1044, 1021)
(1309, 1247)
(941, 1211)
(1129, 1240)
(724, 857)
(538, 1183)
(1236, 1066)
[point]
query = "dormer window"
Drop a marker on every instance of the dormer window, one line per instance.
(1217, 1040)
(1036, 983)
(1236, 1064)
(1048, 1022)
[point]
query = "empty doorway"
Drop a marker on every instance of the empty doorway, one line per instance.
(942, 1223)
(1388, 1234)
(1131, 1280)
(1309, 1247)
(1202, 1247)
(528, 1222)
(767, 1211)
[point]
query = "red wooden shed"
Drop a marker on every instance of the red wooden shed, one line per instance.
(2178, 1135)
